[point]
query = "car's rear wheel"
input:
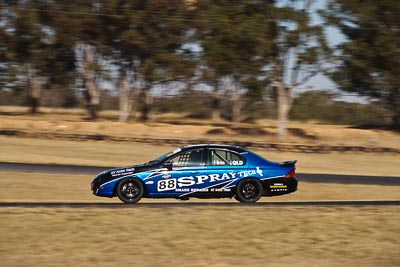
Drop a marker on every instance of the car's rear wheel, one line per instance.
(130, 190)
(248, 191)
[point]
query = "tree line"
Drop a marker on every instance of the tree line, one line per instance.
(231, 50)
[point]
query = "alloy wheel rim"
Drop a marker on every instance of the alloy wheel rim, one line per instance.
(249, 191)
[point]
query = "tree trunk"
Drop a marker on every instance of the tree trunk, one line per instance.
(128, 96)
(284, 105)
(35, 89)
(236, 108)
(91, 112)
(216, 110)
(92, 97)
(90, 102)
(396, 119)
(396, 122)
(125, 110)
(236, 101)
(147, 104)
(125, 100)
(87, 60)
(216, 103)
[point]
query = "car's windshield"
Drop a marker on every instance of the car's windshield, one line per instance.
(165, 156)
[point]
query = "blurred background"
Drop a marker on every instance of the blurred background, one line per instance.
(334, 62)
(114, 82)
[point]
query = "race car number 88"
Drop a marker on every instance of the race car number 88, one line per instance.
(164, 185)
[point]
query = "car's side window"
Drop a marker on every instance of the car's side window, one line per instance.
(223, 157)
(189, 158)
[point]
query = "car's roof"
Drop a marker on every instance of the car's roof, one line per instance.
(220, 146)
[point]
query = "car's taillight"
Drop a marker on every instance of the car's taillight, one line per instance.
(291, 174)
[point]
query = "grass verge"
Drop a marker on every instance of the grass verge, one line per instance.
(179, 126)
(194, 235)
(201, 236)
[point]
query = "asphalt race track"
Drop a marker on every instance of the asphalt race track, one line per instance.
(198, 204)
(93, 170)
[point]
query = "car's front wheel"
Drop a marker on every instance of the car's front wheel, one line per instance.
(248, 191)
(130, 190)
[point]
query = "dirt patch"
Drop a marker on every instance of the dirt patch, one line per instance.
(217, 131)
(250, 131)
(302, 133)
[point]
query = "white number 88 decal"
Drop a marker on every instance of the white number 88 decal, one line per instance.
(165, 185)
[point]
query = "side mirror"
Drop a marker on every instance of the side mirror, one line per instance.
(168, 165)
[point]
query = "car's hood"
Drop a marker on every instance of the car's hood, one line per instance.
(115, 173)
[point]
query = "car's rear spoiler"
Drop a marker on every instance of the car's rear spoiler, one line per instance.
(289, 163)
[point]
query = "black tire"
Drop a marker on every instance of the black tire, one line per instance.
(248, 191)
(130, 190)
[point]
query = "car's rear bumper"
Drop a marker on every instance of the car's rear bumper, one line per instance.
(279, 186)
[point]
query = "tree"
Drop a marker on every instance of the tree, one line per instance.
(322, 106)
(312, 105)
(235, 38)
(76, 29)
(300, 52)
(146, 40)
(143, 39)
(370, 57)
(32, 50)
(27, 49)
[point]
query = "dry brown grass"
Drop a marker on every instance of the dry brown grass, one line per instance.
(200, 236)
(194, 235)
(166, 126)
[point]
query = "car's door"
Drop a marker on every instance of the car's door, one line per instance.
(224, 167)
(180, 180)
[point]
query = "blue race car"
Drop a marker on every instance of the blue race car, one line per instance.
(201, 171)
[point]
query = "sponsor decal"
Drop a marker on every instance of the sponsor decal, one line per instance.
(166, 176)
(218, 162)
(231, 162)
(198, 189)
(279, 190)
(259, 171)
(123, 172)
(220, 189)
(276, 187)
(188, 181)
(191, 190)
(165, 185)
(251, 172)
(182, 190)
